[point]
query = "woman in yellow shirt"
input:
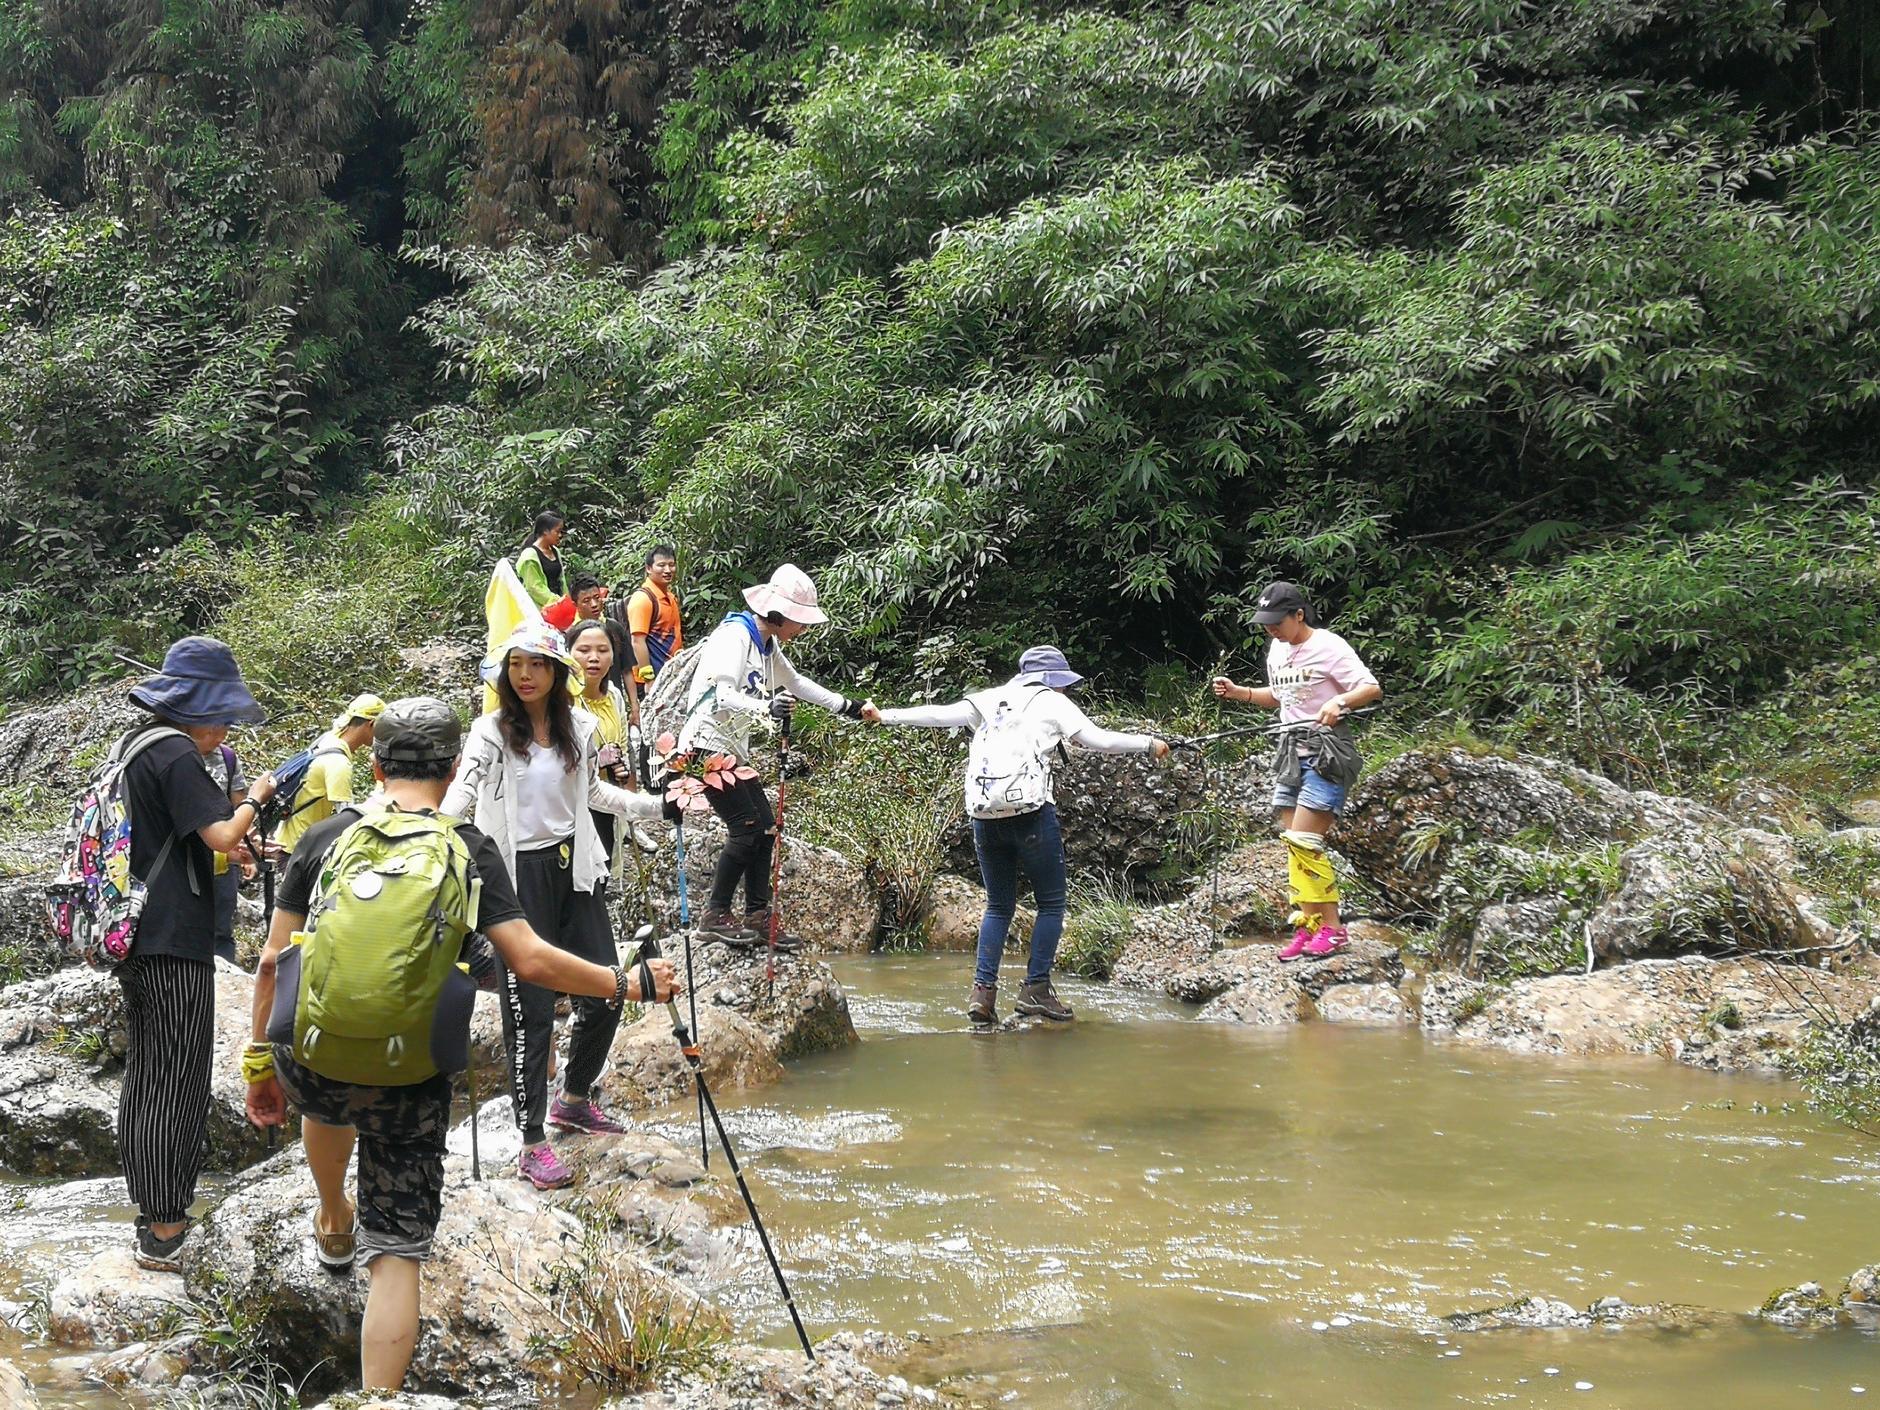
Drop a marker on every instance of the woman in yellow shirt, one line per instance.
(590, 644)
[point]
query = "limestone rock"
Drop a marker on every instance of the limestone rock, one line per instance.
(55, 1117)
(1534, 1312)
(1378, 1004)
(1730, 1015)
(804, 1011)
(1266, 998)
(646, 1069)
(1253, 896)
(109, 1301)
(15, 1393)
(54, 747)
(1363, 961)
(1705, 888)
(953, 911)
(1799, 1306)
(1166, 941)
(1432, 792)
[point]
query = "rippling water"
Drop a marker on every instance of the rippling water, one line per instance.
(1238, 1216)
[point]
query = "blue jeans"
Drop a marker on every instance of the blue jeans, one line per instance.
(1032, 843)
(1313, 792)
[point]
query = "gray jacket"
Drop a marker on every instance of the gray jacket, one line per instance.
(1334, 757)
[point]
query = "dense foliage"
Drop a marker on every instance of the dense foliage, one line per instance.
(1539, 340)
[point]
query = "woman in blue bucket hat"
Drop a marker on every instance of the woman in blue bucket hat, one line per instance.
(178, 818)
(1018, 728)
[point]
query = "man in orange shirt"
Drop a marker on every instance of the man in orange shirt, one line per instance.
(652, 615)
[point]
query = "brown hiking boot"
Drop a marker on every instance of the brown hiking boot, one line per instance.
(726, 929)
(980, 1009)
(758, 923)
(1041, 1001)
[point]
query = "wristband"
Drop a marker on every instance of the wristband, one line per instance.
(620, 987)
(850, 708)
(257, 1063)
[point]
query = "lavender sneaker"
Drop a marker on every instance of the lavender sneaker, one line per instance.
(583, 1117)
(543, 1169)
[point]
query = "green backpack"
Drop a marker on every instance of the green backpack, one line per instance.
(378, 1000)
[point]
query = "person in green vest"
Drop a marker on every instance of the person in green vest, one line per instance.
(539, 565)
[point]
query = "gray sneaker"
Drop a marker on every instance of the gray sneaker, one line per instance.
(726, 929)
(980, 1009)
(1041, 1001)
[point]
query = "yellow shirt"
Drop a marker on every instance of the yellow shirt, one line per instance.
(328, 786)
(610, 719)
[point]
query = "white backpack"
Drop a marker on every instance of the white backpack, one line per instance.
(1007, 771)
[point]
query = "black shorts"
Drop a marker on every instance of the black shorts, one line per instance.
(401, 1151)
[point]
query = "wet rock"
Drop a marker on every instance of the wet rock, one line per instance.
(1530, 1311)
(55, 1117)
(1266, 998)
(1799, 1306)
(1360, 962)
(1363, 961)
(1719, 890)
(109, 1301)
(1405, 820)
(1860, 1295)
(803, 1011)
(646, 1068)
(1534, 1312)
(148, 1365)
(1729, 1015)
(1165, 942)
(1252, 898)
(15, 1393)
(953, 912)
(75, 1009)
(844, 1376)
(1378, 1004)
(405, 1400)
(1528, 930)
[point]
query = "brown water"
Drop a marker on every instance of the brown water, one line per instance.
(1243, 1217)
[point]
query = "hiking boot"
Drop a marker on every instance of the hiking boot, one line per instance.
(726, 929)
(1039, 999)
(543, 1169)
(758, 923)
(583, 1117)
(1296, 947)
(1328, 941)
(980, 1008)
(335, 1251)
(160, 1255)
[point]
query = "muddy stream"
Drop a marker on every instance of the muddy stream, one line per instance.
(1138, 1209)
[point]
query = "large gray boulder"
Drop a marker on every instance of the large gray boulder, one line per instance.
(801, 1010)
(1251, 985)
(1408, 819)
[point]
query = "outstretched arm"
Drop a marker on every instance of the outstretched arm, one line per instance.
(958, 715)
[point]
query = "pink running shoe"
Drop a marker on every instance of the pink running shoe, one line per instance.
(1328, 941)
(582, 1117)
(543, 1169)
(1301, 938)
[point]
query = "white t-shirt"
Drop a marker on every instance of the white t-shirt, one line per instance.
(546, 803)
(1305, 676)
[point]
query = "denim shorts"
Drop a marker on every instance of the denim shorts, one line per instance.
(1313, 792)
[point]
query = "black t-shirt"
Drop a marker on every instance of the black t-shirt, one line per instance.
(171, 794)
(497, 905)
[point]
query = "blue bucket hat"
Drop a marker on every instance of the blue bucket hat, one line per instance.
(1045, 665)
(200, 684)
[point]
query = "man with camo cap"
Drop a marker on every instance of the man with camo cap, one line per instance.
(399, 1130)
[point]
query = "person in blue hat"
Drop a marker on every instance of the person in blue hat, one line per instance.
(1018, 728)
(179, 818)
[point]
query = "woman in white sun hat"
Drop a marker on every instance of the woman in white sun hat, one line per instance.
(743, 676)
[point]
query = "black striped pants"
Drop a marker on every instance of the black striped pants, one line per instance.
(163, 1109)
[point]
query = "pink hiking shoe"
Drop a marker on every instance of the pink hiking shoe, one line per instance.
(543, 1169)
(1328, 941)
(1302, 937)
(582, 1117)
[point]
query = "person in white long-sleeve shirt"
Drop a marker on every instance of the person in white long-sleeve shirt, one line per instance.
(529, 777)
(743, 677)
(1017, 727)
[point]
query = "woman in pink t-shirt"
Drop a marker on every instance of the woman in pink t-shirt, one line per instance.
(1314, 677)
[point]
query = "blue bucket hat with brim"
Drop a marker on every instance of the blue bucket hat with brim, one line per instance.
(1045, 665)
(200, 684)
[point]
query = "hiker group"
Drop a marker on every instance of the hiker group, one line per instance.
(480, 858)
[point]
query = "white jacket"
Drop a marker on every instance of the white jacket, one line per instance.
(740, 680)
(488, 777)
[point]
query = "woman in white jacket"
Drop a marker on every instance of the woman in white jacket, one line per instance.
(1017, 727)
(529, 776)
(743, 677)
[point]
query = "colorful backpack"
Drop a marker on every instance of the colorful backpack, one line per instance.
(95, 902)
(1007, 772)
(375, 980)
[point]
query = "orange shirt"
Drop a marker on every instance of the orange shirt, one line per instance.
(653, 613)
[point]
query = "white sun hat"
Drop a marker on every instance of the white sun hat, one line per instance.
(789, 594)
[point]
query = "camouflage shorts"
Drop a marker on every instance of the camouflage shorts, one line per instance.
(401, 1151)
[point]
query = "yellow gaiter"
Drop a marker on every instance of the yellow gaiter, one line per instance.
(1308, 869)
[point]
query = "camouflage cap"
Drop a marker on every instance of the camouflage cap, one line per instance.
(417, 730)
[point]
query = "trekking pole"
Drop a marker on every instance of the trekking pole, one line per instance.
(649, 950)
(776, 860)
(685, 927)
(470, 1091)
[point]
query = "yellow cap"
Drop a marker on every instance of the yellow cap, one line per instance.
(363, 707)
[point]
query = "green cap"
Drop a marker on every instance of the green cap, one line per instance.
(417, 730)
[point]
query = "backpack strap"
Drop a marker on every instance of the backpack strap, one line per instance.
(327, 753)
(129, 746)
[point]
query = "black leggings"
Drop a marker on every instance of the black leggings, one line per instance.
(750, 842)
(163, 1108)
(575, 921)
